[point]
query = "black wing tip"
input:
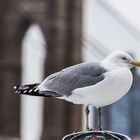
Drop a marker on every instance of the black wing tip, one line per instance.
(17, 90)
(26, 89)
(15, 87)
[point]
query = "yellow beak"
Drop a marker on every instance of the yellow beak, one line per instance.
(136, 63)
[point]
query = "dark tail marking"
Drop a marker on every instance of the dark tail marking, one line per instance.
(27, 89)
(32, 90)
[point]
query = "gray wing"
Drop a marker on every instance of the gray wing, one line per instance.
(64, 82)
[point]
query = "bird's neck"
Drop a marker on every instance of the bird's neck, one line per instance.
(109, 65)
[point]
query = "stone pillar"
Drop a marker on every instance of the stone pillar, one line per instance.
(60, 21)
(64, 49)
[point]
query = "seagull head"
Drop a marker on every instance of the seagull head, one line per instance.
(121, 59)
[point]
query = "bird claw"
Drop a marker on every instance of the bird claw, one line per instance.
(100, 129)
(92, 129)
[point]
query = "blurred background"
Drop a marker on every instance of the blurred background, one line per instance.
(39, 37)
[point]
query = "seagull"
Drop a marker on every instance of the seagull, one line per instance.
(97, 83)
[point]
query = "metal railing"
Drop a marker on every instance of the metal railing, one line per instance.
(96, 135)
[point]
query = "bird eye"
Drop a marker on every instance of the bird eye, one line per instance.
(124, 58)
